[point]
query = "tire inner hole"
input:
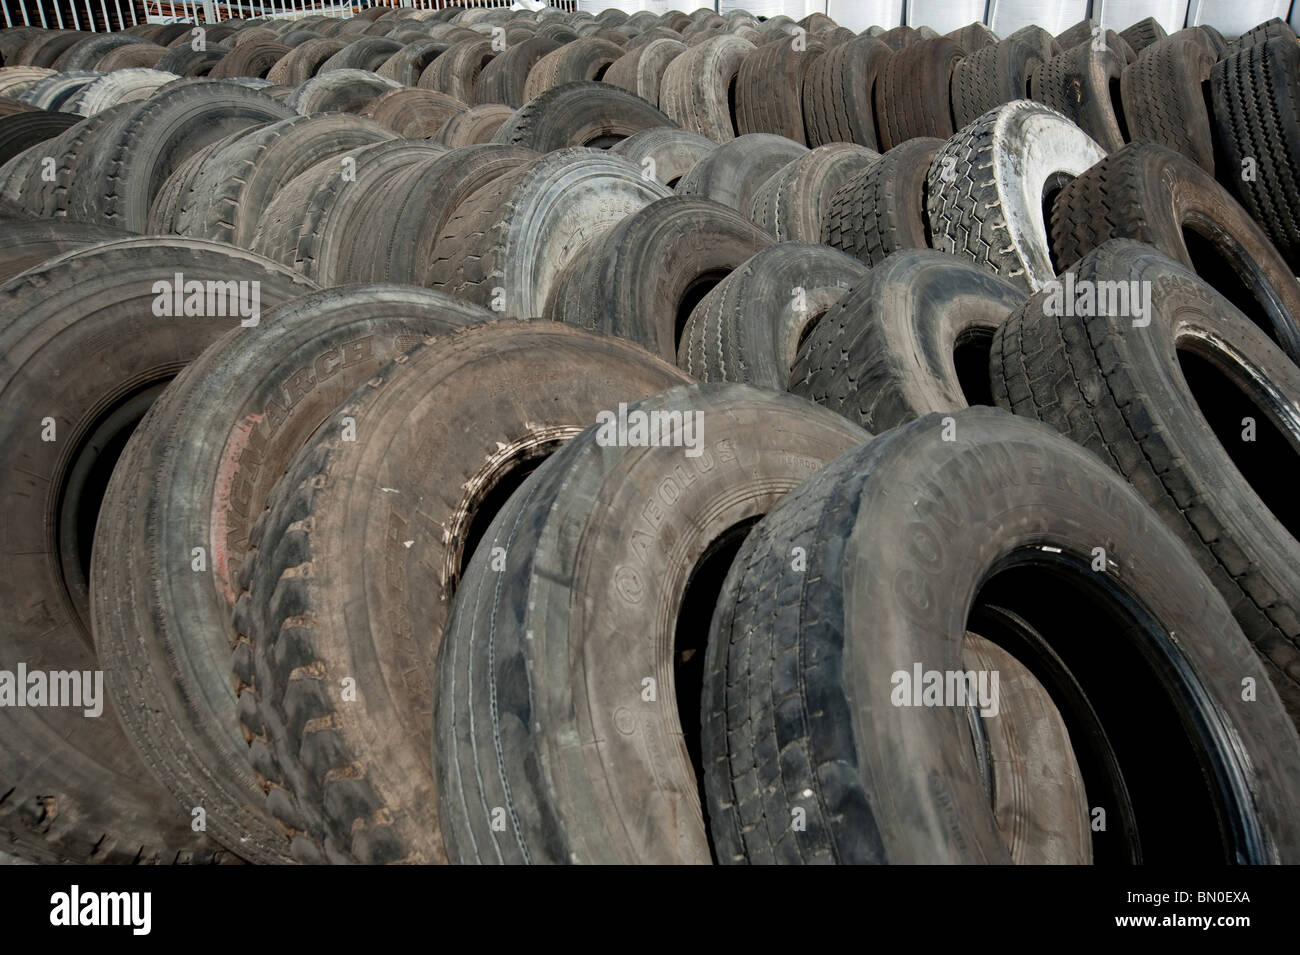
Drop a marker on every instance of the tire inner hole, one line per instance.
(1215, 266)
(970, 358)
(694, 294)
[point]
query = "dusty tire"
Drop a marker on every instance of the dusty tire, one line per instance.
(46, 198)
(994, 75)
(749, 327)
(641, 71)
(640, 279)
(223, 432)
(1163, 99)
(796, 198)
(368, 53)
(236, 186)
(734, 172)
(165, 209)
(627, 583)
(913, 95)
(838, 104)
(911, 338)
(24, 130)
(1143, 34)
(124, 86)
(527, 387)
(85, 53)
(880, 782)
(27, 242)
(697, 87)
(1139, 398)
(505, 76)
(578, 114)
(53, 91)
(583, 59)
(456, 71)
(89, 313)
(985, 188)
(413, 113)
(478, 124)
(406, 65)
(185, 61)
(249, 59)
(1256, 97)
(1082, 84)
(1152, 194)
(508, 243)
(769, 89)
(338, 91)
(882, 209)
(666, 154)
(301, 63)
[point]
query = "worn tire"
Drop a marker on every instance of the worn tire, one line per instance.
(24, 130)
(1163, 97)
(838, 102)
(586, 58)
(505, 77)
(413, 113)
(641, 71)
(998, 74)
(303, 61)
(478, 124)
(338, 91)
(578, 114)
(769, 88)
(913, 95)
(796, 198)
(124, 86)
(456, 71)
(734, 172)
(1078, 84)
(255, 59)
(665, 153)
(697, 87)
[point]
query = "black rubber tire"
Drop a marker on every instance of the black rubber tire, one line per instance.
(586, 58)
(640, 279)
(85, 53)
(255, 58)
(407, 64)
(23, 130)
(121, 86)
(301, 63)
(887, 352)
(734, 172)
(237, 185)
(1143, 34)
(43, 50)
(165, 209)
(697, 87)
(527, 387)
(509, 242)
(1124, 394)
(900, 36)
(838, 103)
(641, 70)
(1164, 97)
(998, 74)
(197, 471)
(1276, 28)
(1082, 84)
(186, 61)
(16, 80)
(665, 154)
(894, 561)
(476, 125)
(338, 91)
(769, 88)
(578, 114)
(1256, 113)
(367, 53)
(26, 242)
(49, 198)
(131, 157)
(54, 91)
(413, 113)
(985, 188)
(592, 623)
(503, 79)
(795, 200)
(88, 313)
(749, 327)
(913, 94)
(882, 209)
(973, 36)
(1153, 195)
(408, 219)
(456, 71)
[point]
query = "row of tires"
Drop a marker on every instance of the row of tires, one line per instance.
(368, 585)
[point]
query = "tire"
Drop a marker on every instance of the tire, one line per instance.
(914, 92)
(27, 242)
(303, 61)
(24, 130)
(124, 86)
(998, 74)
(586, 58)
(406, 65)
(911, 338)
(696, 88)
(85, 53)
(1255, 93)
(88, 312)
(477, 125)
(641, 71)
(972, 37)
(578, 114)
(238, 184)
(761, 445)
(1000, 168)
(44, 50)
(176, 188)
(413, 113)
(1144, 417)
(224, 431)
(1143, 34)
(49, 198)
(1163, 98)
(1082, 84)
(882, 209)
(1275, 28)
(640, 279)
(899, 37)
(793, 202)
(338, 91)
(749, 327)
(16, 80)
(503, 79)
(1155, 196)
(184, 61)
(457, 70)
(886, 783)
(666, 153)
(368, 53)
(133, 155)
(734, 172)
(131, 56)
(508, 243)
(409, 218)
(255, 58)
(837, 93)
(527, 387)
(769, 88)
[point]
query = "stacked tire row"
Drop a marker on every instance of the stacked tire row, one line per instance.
(381, 570)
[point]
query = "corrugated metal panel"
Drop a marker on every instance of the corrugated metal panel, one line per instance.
(794, 9)
(1235, 17)
(1122, 14)
(945, 15)
(1008, 16)
(857, 15)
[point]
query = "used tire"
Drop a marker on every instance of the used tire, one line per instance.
(584, 59)
(837, 93)
(578, 114)
(998, 74)
(914, 92)
(796, 198)
(697, 88)
(641, 71)
(23, 130)
(338, 91)
(734, 172)
(505, 76)
(476, 125)
(666, 153)
(456, 71)
(1163, 99)
(1083, 85)
(413, 113)
(769, 88)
